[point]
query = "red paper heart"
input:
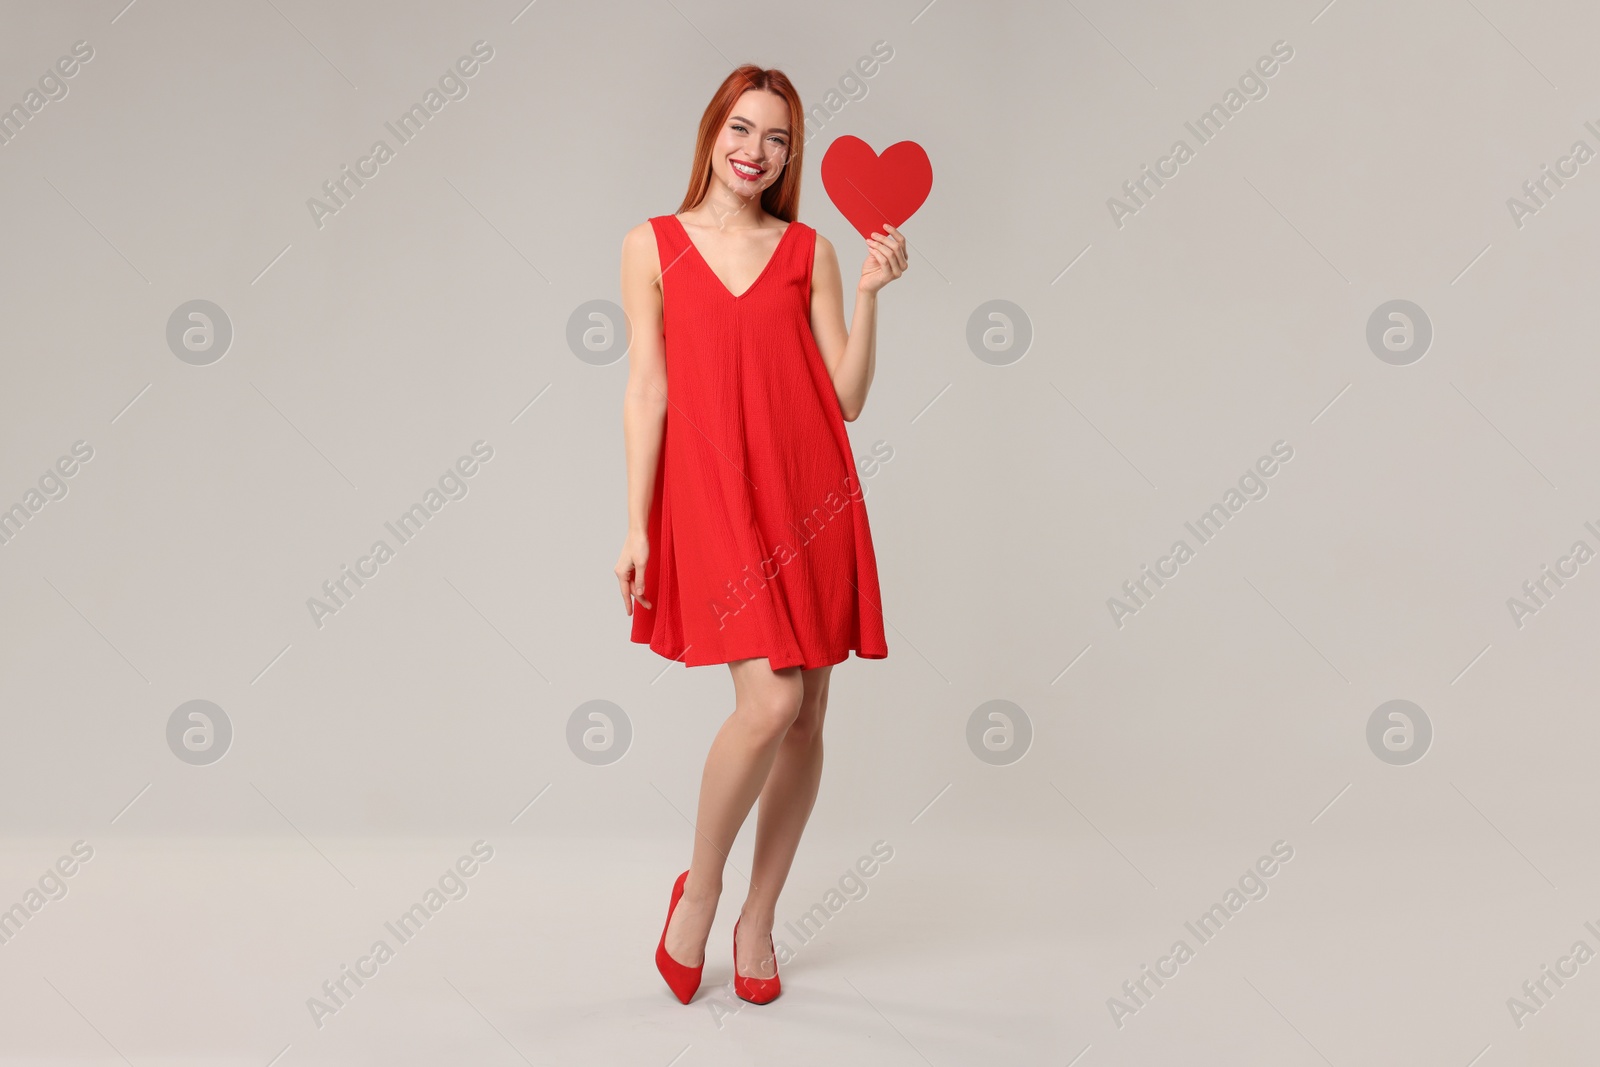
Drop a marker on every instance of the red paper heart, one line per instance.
(870, 189)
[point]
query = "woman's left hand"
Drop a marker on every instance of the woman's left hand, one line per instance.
(886, 260)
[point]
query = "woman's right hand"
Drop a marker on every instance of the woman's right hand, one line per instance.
(630, 570)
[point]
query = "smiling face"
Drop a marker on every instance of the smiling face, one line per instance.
(753, 145)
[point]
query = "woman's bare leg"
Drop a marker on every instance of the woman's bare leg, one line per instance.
(786, 802)
(766, 703)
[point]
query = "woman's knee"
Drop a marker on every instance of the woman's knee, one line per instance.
(773, 708)
(807, 725)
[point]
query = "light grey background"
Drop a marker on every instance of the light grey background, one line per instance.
(1168, 354)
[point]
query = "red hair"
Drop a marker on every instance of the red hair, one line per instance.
(782, 197)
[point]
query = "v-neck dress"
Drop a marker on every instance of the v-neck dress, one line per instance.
(759, 543)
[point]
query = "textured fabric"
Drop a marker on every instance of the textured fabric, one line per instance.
(759, 544)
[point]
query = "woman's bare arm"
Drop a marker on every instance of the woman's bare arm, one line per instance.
(644, 403)
(851, 357)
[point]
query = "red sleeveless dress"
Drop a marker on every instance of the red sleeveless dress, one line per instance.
(759, 544)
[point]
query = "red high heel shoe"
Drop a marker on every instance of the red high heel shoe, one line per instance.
(683, 980)
(755, 990)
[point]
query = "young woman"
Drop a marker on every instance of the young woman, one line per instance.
(747, 536)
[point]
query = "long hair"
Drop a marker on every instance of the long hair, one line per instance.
(782, 197)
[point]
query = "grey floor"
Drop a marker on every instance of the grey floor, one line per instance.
(958, 950)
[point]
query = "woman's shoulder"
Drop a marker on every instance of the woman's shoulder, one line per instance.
(641, 251)
(642, 236)
(820, 245)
